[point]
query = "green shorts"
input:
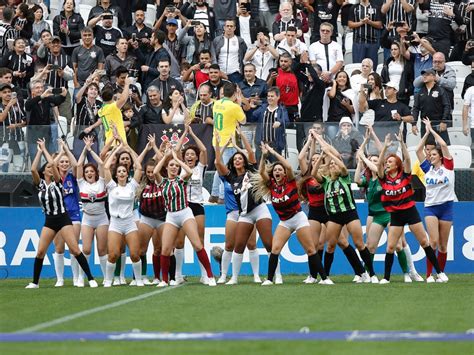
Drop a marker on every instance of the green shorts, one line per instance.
(382, 219)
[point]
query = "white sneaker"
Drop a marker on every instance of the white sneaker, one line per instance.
(257, 279)
(139, 283)
(146, 281)
(310, 280)
(59, 283)
(407, 278)
(374, 279)
(32, 285)
(74, 282)
(384, 282)
(416, 277)
(80, 283)
(222, 279)
(180, 280)
(356, 279)
(204, 280)
(162, 284)
(430, 279)
(232, 281)
(123, 281)
(155, 281)
(133, 283)
(365, 278)
(278, 280)
(173, 283)
(108, 283)
(93, 284)
(267, 283)
(116, 281)
(211, 282)
(442, 277)
(328, 281)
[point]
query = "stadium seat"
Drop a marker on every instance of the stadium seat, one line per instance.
(459, 85)
(380, 56)
(150, 15)
(349, 68)
(461, 70)
(84, 10)
(50, 23)
(293, 158)
(291, 138)
(55, 7)
(412, 140)
(349, 41)
(461, 155)
(348, 57)
(457, 137)
(205, 195)
(458, 103)
(89, 2)
(457, 118)
(379, 68)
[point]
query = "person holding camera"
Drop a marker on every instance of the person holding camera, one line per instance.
(262, 55)
(419, 52)
(199, 73)
(200, 11)
(106, 6)
(291, 44)
(139, 33)
(394, 31)
(171, 12)
(134, 98)
(398, 70)
(194, 44)
(398, 13)
(106, 35)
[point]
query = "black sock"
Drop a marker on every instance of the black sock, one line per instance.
(172, 271)
(388, 265)
(365, 255)
(144, 263)
(81, 259)
(37, 270)
(320, 253)
(430, 254)
(315, 266)
(328, 259)
(272, 265)
(353, 259)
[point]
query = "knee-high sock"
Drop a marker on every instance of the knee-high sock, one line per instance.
(143, 260)
(204, 259)
(59, 265)
(156, 266)
(353, 259)
(402, 260)
(365, 255)
(81, 272)
(320, 253)
(172, 271)
(411, 264)
(137, 270)
(118, 266)
(81, 259)
(429, 267)
(37, 270)
(328, 259)
(388, 266)
(123, 262)
(165, 267)
(430, 255)
(236, 264)
(442, 257)
(179, 255)
(109, 271)
(103, 263)
(254, 261)
(226, 258)
(315, 266)
(74, 268)
(272, 265)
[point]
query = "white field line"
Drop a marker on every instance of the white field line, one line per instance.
(90, 311)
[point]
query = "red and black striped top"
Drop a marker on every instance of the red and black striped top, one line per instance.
(152, 203)
(397, 194)
(285, 198)
(175, 194)
(315, 192)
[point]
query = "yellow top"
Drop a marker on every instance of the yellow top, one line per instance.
(227, 115)
(111, 116)
(416, 170)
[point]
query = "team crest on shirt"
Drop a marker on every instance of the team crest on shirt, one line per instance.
(108, 36)
(435, 94)
(93, 54)
(92, 197)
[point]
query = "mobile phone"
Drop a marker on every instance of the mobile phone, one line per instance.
(170, 8)
(246, 6)
(195, 23)
(57, 91)
(13, 95)
(202, 66)
(134, 37)
(55, 67)
(398, 24)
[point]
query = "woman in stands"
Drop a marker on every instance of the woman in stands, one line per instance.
(397, 69)
(122, 192)
(50, 187)
(341, 208)
(279, 182)
(439, 182)
(93, 195)
(252, 211)
(395, 179)
(179, 215)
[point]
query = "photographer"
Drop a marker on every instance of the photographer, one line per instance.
(394, 31)
(106, 35)
(420, 53)
(171, 12)
(121, 74)
(139, 33)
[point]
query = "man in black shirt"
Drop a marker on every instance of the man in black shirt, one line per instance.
(325, 11)
(165, 83)
(150, 113)
(105, 35)
(150, 68)
(215, 81)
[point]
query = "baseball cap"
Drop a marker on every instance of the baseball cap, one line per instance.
(428, 71)
(55, 39)
(5, 86)
(172, 21)
(345, 120)
(392, 85)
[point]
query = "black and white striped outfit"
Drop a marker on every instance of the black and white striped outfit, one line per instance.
(269, 118)
(397, 13)
(203, 111)
(62, 60)
(52, 202)
(365, 33)
(86, 114)
(21, 63)
(6, 32)
(16, 115)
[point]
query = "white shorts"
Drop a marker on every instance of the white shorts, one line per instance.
(178, 218)
(151, 222)
(123, 225)
(258, 213)
(233, 216)
(95, 220)
(296, 222)
(136, 216)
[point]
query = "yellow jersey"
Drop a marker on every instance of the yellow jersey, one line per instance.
(110, 116)
(227, 115)
(416, 170)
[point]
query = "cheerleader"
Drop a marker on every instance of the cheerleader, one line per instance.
(279, 181)
(122, 220)
(93, 195)
(439, 182)
(397, 199)
(50, 187)
(179, 215)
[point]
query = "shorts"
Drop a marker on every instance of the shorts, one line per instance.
(381, 218)
(178, 218)
(258, 213)
(409, 216)
(136, 215)
(95, 220)
(233, 216)
(75, 217)
(57, 222)
(122, 226)
(296, 222)
(151, 222)
(197, 208)
(443, 212)
(343, 218)
(318, 214)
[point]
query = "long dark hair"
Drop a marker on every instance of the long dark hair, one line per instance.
(93, 166)
(167, 104)
(230, 163)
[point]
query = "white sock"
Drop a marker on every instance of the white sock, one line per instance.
(59, 265)
(411, 264)
(236, 264)
(226, 258)
(254, 261)
(277, 271)
(74, 268)
(123, 259)
(109, 271)
(203, 270)
(137, 270)
(179, 255)
(103, 263)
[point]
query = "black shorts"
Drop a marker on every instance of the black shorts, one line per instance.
(197, 208)
(343, 218)
(409, 216)
(56, 223)
(318, 214)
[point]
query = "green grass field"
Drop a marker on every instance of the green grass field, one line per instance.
(245, 307)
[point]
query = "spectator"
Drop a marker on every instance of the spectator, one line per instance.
(266, 10)
(68, 25)
(195, 44)
(150, 68)
(199, 73)
(121, 74)
(254, 90)
(420, 54)
(6, 77)
(150, 113)
(247, 23)
(23, 22)
(224, 9)
(325, 11)
(262, 55)
(357, 80)
(468, 82)
(398, 70)
(141, 32)
(172, 44)
(468, 112)
(165, 83)
(291, 44)
(421, 21)
(121, 57)
(7, 30)
(397, 11)
(347, 141)
(171, 12)
(202, 12)
(215, 81)
(300, 10)
(280, 26)
(340, 98)
(105, 6)
(130, 115)
(39, 24)
(105, 34)
(201, 111)
(174, 108)
(394, 32)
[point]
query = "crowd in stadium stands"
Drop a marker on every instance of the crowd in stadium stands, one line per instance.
(327, 69)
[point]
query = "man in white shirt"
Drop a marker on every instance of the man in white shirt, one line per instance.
(262, 55)
(291, 44)
(468, 112)
(327, 53)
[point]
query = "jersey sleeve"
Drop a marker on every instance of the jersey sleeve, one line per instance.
(448, 163)
(111, 185)
(134, 184)
(425, 166)
(239, 113)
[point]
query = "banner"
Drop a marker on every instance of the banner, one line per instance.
(20, 229)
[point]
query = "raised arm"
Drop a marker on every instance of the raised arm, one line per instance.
(405, 154)
(72, 158)
(185, 167)
(289, 170)
(420, 147)
(201, 146)
(439, 140)
(303, 156)
(381, 164)
(159, 166)
(373, 135)
(262, 169)
(220, 166)
(248, 147)
(148, 147)
(337, 161)
(316, 166)
(358, 170)
(137, 166)
(50, 160)
(181, 139)
(34, 167)
(108, 164)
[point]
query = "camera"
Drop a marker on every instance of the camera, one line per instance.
(202, 66)
(133, 73)
(55, 67)
(170, 8)
(246, 6)
(57, 91)
(368, 87)
(470, 43)
(398, 24)
(195, 23)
